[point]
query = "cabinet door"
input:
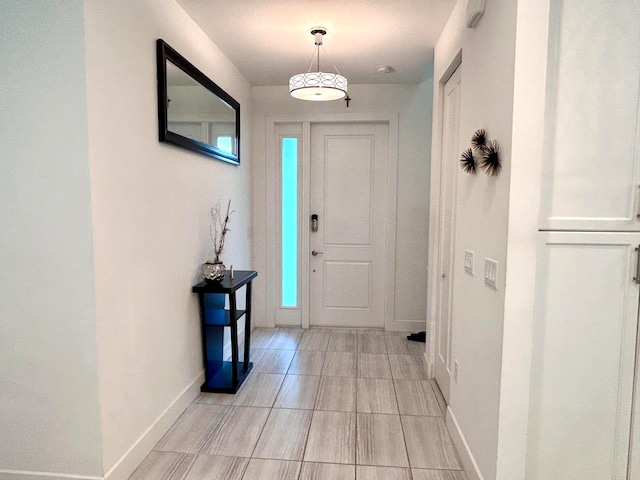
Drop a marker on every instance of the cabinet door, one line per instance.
(584, 357)
(634, 464)
(590, 176)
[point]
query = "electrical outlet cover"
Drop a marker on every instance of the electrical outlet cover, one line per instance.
(491, 273)
(468, 262)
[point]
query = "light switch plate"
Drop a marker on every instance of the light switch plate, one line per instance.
(491, 273)
(468, 262)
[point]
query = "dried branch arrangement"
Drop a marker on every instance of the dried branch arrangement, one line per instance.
(218, 228)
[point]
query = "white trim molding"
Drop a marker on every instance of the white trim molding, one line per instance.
(271, 196)
(462, 447)
(28, 475)
(434, 205)
(127, 464)
(133, 457)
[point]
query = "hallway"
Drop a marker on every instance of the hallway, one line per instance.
(320, 404)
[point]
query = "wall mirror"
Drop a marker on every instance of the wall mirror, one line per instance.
(193, 112)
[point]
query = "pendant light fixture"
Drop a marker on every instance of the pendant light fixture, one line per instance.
(318, 86)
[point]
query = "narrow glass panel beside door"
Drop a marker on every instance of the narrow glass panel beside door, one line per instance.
(289, 222)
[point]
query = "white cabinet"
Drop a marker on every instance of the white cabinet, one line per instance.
(584, 345)
(591, 174)
(584, 411)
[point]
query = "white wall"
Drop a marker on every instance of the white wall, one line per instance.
(49, 420)
(481, 219)
(103, 232)
(150, 204)
(524, 202)
(413, 104)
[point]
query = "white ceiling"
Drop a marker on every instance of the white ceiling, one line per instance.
(269, 40)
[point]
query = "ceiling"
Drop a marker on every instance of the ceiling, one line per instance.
(270, 40)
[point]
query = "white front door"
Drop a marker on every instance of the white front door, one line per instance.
(446, 240)
(349, 196)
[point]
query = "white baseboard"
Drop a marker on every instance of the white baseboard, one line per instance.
(124, 467)
(430, 371)
(26, 475)
(286, 325)
(404, 325)
(466, 457)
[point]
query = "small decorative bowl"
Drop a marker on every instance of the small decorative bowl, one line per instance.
(213, 271)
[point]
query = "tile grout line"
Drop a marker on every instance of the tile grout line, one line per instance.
(356, 443)
(267, 419)
(359, 349)
(306, 442)
(404, 438)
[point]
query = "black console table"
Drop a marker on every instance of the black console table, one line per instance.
(220, 375)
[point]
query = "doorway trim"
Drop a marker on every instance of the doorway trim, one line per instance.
(434, 212)
(271, 184)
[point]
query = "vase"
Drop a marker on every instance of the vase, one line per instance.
(213, 271)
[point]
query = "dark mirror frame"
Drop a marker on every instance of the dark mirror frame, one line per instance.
(166, 53)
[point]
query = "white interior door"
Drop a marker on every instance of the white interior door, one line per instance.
(349, 196)
(448, 173)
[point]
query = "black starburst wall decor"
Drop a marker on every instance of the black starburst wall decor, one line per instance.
(468, 161)
(491, 159)
(488, 154)
(479, 140)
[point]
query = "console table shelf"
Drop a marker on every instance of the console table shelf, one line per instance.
(222, 380)
(224, 376)
(216, 316)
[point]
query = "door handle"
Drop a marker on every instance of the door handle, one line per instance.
(314, 253)
(637, 277)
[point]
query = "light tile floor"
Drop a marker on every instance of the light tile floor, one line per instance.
(319, 404)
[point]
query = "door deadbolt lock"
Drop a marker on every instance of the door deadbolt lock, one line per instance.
(314, 222)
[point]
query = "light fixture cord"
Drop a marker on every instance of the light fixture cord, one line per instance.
(333, 64)
(316, 53)
(312, 57)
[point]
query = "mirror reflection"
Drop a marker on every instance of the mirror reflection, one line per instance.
(194, 112)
